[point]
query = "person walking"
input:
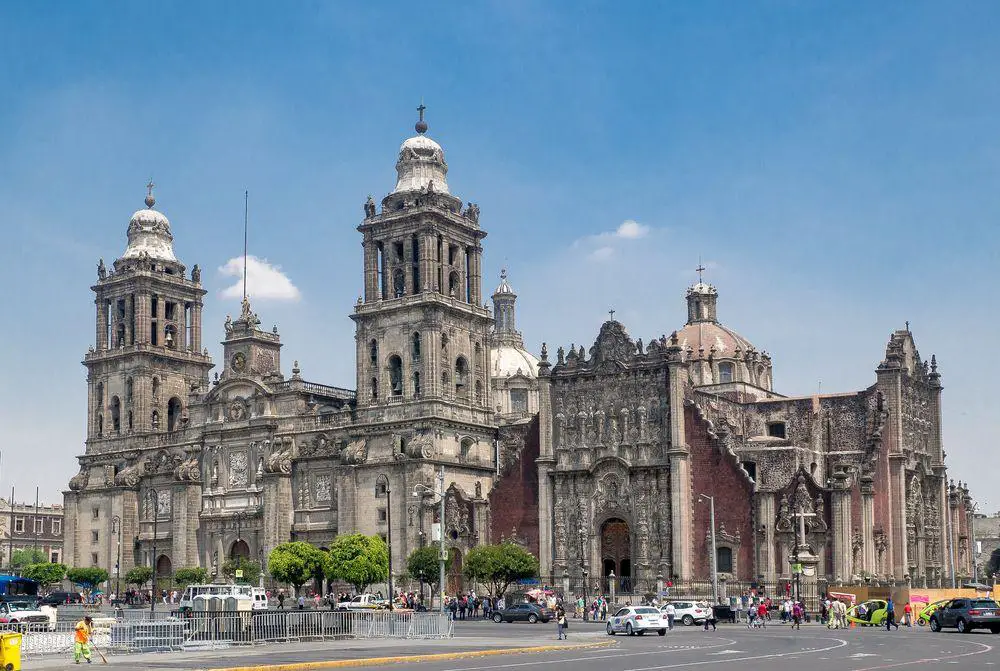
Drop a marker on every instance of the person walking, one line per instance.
(890, 615)
(81, 640)
(560, 623)
(670, 612)
(908, 614)
(797, 615)
(762, 614)
(710, 620)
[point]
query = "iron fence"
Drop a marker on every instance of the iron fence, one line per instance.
(211, 630)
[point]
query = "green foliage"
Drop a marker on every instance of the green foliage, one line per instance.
(45, 573)
(423, 565)
(138, 576)
(251, 570)
(193, 575)
(87, 577)
(295, 563)
(498, 566)
(27, 556)
(358, 560)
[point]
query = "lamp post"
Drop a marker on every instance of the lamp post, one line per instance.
(583, 569)
(417, 491)
(384, 479)
(715, 556)
(155, 498)
(116, 528)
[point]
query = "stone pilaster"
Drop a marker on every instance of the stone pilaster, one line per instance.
(841, 520)
(868, 525)
(70, 515)
(545, 462)
(896, 559)
(766, 515)
(278, 510)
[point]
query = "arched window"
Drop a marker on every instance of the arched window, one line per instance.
(724, 560)
(129, 388)
(725, 373)
(373, 353)
(396, 375)
(398, 283)
(170, 336)
(416, 346)
(461, 375)
(116, 418)
(374, 388)
(453, 284)
(173, 414)
(466, 448)
(156, 420)
(120, 336)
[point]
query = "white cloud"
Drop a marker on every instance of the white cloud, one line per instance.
(631, 230)
(264, 281)
(602, 253)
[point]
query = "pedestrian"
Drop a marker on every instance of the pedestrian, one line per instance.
(281, 600)
(762, 614)
(890, 615)
(81, 642)
(302, 601)
(710, 620)
(670, 612)
(908, 614)
(560, 624)
(797, 613)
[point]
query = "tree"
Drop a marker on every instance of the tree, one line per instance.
(27, 556)
(295, 563)
(358, 560)
(423, 565)
(138, 576)
(498, 566)
(87, 577)
(194, 575)
(44, 573)
(251, 570)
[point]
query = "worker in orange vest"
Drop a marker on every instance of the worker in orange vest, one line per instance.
(81, 646)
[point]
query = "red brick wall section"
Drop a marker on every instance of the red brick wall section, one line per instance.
(713, 473)
(514, 498)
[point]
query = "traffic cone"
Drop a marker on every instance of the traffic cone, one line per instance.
(853, 623)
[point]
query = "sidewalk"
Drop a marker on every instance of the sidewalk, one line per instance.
(292, 653)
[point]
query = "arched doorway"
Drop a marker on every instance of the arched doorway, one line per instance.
(454, 577)
(239, 550)
(164, 571)
(616, 552)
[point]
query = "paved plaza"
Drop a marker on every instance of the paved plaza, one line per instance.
(484, 645)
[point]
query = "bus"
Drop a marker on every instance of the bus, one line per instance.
(15, 588)
(246, 597)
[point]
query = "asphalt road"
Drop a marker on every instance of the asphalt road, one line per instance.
(813, 648)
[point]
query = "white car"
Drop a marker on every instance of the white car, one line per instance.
(689, 612)
(637, 620)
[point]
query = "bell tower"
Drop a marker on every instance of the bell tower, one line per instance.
(147, 356)
(422, 330)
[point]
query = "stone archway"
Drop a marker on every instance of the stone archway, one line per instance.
(239, 550)
(164, 571)
(616, 552)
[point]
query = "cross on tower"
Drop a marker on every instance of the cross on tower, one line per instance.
(420, 110)
(802, 515)
(700, 269)
(612, 313)
(150, 200)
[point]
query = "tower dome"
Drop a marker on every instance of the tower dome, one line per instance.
(421, 165)
(149, 233)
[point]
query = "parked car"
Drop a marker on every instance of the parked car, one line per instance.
(523, 612)
(689, 612)
(966, 614)
(868, 613)
(363, 602)
(60, 598)
(928, 610)
(635, 620)
(23, 616)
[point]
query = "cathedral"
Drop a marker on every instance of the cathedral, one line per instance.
(604, 462)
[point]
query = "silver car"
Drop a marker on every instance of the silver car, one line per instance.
(637, 620)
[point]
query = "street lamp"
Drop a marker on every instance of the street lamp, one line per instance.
(116, 528)
(715, 556)
(383, 480)
(155, 498)
(418, 490)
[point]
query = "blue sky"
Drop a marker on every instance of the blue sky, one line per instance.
(834, 164)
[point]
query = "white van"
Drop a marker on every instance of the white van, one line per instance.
(259, 598)
(244, 597)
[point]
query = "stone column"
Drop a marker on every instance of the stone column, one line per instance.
(896, 554)
(408, 284)
(765, 508)
(868, 523)
(680, 474)
(101, 340)
(71, 513)
(371, 269)
(278, 510)
(477, 276)
(841, 527)
(545, 463)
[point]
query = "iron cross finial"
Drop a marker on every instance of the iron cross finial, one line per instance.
(421, 125)
(150, 200)
(612, 313)
(700, 269)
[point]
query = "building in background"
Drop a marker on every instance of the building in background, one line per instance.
(27, 527)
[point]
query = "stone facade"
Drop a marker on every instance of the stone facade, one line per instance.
(604, 461)
(26, 526)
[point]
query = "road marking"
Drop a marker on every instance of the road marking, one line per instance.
(862, 654)
(727, 652)
(840, 644)
(985, 648)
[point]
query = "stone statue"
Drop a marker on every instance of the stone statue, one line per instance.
(215, 473)
(102, 271)
(472, 213)
(369, 207)
(196, 274)
(260, 467)
(784, 514)
(229, 325)
(479, 490)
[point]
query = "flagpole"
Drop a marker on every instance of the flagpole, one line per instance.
(246, 213)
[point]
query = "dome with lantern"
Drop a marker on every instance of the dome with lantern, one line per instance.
(149, 233)
(513, 369)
